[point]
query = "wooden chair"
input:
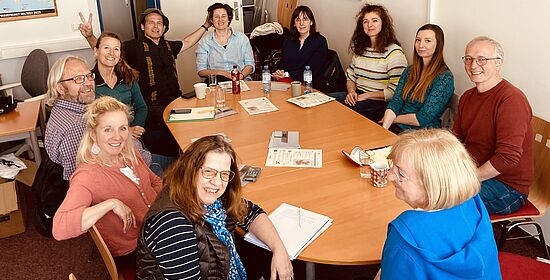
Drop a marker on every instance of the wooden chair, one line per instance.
(105, 254)
(539, 193)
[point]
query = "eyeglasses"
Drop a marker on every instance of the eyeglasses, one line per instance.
(80, 78)
(398, 173)
(209, 173)
(480, 60)
(304, 19)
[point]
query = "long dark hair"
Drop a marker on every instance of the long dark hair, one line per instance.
(419, 78)
(181, 179)
(305, 10)
(122, 69)
(360, 41)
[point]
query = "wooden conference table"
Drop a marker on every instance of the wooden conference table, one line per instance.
(21, 124)
(361, 212)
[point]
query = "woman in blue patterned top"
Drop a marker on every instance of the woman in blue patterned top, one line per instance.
(425, 88)
(188, 231)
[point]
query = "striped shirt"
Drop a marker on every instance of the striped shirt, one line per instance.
(375, 71)
(172, 240)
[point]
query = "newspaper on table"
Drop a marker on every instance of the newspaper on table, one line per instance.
(258, 105)
(310, 100)
(295, 158)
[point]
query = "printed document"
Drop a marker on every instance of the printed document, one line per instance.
(259, 105)
(296, 226)
(294, 158)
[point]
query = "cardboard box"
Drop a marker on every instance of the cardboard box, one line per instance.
(12, 224)
(26, 176)
(8, 196)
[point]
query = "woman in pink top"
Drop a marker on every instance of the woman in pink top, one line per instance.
(112, 187)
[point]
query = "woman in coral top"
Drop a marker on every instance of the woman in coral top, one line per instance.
(112, 187)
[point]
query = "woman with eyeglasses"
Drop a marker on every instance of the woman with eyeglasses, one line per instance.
(376, 64)
(447, 234)
(112, 186)
(305, 47)
(425, 88)
(115, 78)
(188, 232)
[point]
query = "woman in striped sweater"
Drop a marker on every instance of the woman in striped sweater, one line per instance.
(376, 65)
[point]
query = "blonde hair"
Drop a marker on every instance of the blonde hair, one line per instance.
(441, 164)
(95, 110)
(56, 72)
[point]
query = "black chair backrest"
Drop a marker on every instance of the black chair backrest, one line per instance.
(34, 75)
(333, 77)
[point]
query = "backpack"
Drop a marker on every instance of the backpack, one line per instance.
(333, 77)
(50, 190)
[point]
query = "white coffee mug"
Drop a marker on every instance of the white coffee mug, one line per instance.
(201, 90)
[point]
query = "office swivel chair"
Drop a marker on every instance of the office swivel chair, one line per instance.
(34, 76)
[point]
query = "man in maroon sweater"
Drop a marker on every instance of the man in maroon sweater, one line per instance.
(494, 123)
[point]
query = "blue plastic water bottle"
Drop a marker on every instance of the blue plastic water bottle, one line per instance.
(266, 80)
(308, 80)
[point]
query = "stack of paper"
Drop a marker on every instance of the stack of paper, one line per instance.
(284, 139)
(192, 114)
(310, 99)
(297, 228)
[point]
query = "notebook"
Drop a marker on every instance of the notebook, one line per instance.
(297, 228)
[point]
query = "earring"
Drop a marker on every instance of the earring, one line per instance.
(95, 149)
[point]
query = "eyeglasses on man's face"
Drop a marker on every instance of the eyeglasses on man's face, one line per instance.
(209, 173)
(79, 79)
(480, 60)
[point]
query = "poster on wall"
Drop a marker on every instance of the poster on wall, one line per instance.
(12, 10)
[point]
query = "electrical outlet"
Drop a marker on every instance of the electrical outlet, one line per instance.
(75, 26)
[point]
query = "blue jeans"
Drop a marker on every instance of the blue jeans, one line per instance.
(160, 163)
(500, 198)
(371, 109)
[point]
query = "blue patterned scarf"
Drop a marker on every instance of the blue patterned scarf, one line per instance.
(215, 216)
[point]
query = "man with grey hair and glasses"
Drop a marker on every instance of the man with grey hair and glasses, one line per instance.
(494, 123)
(70, 88)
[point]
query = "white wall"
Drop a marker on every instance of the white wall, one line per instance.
(524, 37)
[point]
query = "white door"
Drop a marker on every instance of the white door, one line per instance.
(117, 17)
(185, 17)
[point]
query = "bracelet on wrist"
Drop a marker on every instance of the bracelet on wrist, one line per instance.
(205, 28)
